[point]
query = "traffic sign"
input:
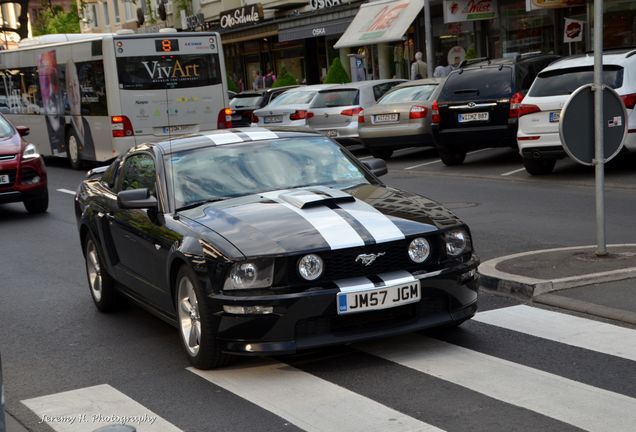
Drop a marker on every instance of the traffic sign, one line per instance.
(576, 125)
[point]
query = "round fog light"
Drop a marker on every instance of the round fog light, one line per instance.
(419, 250)
(310, 267)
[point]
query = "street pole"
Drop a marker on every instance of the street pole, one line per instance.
(429, 38)
(601, 249)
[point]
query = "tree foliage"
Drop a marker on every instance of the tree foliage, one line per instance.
(337, 74)
(54, 19)
(284, 79)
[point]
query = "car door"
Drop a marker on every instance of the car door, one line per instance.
(140, 239)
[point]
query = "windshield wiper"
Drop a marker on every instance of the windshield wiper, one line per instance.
(200, 203)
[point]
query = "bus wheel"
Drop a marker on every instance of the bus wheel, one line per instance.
(72, 151)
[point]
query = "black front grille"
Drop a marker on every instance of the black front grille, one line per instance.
(11, 174)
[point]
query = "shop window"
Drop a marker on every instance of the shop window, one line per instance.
(619, 23)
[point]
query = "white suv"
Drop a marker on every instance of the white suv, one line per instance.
(540, 110)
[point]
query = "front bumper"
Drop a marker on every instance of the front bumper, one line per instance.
(309, 319)
(476, 137)
(20, 189)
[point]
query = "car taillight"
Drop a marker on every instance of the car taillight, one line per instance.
(224, 120)
(629, 100)
(418, 112)
(435, 119)
(121, 126)
(351, 112)
(518, 109)
(301, 115)
(253, 118)
(361, 116)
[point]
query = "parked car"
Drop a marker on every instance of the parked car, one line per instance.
(473, 109)
(22, 170)
(540, 110)
(291, 108)
(270, 241)
(244, 104)
(400, 119)
(334, 111)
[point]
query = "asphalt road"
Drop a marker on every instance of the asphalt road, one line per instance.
(481, 377)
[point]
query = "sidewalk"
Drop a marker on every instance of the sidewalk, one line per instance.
(571, 278)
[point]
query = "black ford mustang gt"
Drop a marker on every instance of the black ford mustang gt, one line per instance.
(262, 241)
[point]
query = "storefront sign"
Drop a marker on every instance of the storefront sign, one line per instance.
(242, 16)
(552, 4)
(469, 10)
(324, 4)
(573, 30)
(315, 30)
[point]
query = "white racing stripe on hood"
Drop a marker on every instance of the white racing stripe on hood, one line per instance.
(224, 138)
(378, 224)
(397, 277)
(330, 225)
(260, 134)
(355, 284)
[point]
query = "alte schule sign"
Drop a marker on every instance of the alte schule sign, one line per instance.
(246, 15)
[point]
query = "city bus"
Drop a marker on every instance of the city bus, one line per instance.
(90, 97)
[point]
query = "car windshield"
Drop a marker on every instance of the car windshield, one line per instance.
(293, 98)
(408, 94)
(565, 81)
(233, 170)
(245, 101)
(5, 128)
(336, 98)
(475, 84)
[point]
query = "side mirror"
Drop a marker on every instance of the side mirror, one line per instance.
(23, 130)
(136, 199)
(376, 166)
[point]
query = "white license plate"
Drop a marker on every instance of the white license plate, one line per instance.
(4, 179)
(236, 117)
(469, 117)
(386, 118)
(176, 129)
(273, 119)
(379, 298)
(331, 133)
(555, 116)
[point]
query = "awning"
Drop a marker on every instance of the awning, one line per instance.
(380, 21)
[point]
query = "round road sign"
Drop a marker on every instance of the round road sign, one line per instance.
(576, 126)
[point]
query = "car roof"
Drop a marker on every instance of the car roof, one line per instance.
(230, 136)
(519, 59)
(314, 87)
(422, 81)
(363, 84)
(618, 57)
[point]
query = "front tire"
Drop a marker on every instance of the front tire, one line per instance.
(101, 284)
(539, 166)
(39, 204)
(196, 328)
(73, 150)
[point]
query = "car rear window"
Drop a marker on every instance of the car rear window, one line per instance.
(474, 84)
(293, 98)
(246, 101)
(409, 94)
(336, 98)
(565, 81)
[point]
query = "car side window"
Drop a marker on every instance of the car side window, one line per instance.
(110, 175)
(138, 172)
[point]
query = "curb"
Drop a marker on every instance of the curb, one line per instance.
(527, 287)
(581, 306)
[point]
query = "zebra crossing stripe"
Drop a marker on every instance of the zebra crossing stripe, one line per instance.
(309, 402)
(90, 408)
(567, 329)
(581, 405)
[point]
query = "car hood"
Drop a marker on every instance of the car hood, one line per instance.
(320, 218)
(10, 145)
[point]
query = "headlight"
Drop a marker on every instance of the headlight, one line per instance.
(419, 250)
(250, 275)
(30, 152)
(457, 242)
(310, 267)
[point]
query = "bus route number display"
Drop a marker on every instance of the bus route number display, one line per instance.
(167, 45)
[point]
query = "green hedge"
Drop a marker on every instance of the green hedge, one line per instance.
(337, 74)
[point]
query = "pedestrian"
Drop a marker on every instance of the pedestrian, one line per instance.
(258, 80)
(442, 70)
(418, 68)
(269, 78)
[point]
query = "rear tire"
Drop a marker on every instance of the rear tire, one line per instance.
(451, 156)
(539, 166)
(101, 284)
(39, 204)
(197, 329)
(73, 150)
(382, 153)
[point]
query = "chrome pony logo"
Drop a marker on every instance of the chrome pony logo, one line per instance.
(368, 259)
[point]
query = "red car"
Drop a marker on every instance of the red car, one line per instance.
(22, 170)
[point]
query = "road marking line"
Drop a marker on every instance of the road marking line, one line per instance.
(563, 328)
(66, 191)
(581, 405)
(513, 172)
(90, 408)
(309, 402)
(439, 160)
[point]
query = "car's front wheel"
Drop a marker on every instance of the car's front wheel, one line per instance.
(539, 166)
(196, 328)
(38, 204)
(101, 284)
